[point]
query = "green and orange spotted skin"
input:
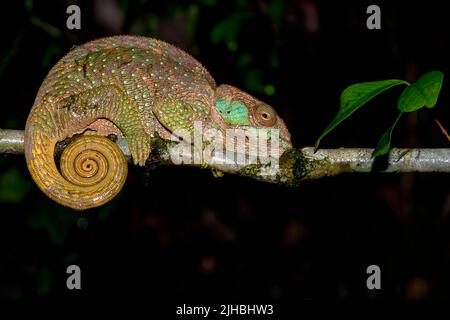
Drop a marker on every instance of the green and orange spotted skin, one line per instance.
(133, 87)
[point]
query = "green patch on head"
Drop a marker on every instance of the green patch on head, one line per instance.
(233, 112)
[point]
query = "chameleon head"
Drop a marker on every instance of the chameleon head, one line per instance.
(238, 109)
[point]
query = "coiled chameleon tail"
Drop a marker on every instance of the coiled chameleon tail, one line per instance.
(92, 169)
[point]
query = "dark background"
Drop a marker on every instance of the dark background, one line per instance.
(179, 235)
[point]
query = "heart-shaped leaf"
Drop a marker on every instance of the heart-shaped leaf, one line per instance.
(423, 92)
(384, 144)
(354, 97)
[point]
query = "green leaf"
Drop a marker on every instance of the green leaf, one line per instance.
(423, 92)
(384, 144)
(354, 97)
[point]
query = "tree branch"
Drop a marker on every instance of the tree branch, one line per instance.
(11, 141)
(295, 165)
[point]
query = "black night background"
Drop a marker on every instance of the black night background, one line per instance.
(178, 235)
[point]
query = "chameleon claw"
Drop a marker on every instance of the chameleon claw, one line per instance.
(133, 151)
(204, 166)
(141, 156)
(144, 152)
(217, 173)
(139, 150)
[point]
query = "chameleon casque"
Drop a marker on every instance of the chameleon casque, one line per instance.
(129, 86)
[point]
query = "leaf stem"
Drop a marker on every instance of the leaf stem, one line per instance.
(443, 130)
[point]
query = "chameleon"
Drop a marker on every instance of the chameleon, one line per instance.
(133, 87)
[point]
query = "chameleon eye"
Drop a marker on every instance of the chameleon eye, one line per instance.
(265, 115)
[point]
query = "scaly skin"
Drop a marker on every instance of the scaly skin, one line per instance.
(131, 86)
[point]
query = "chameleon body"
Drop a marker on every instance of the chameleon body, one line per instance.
(130, 86)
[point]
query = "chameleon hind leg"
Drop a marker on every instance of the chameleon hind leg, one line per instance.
(108, 102)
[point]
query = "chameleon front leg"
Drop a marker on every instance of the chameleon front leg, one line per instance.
(176, 114)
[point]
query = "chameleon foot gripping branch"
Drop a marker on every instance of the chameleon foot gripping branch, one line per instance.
(134, 87)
